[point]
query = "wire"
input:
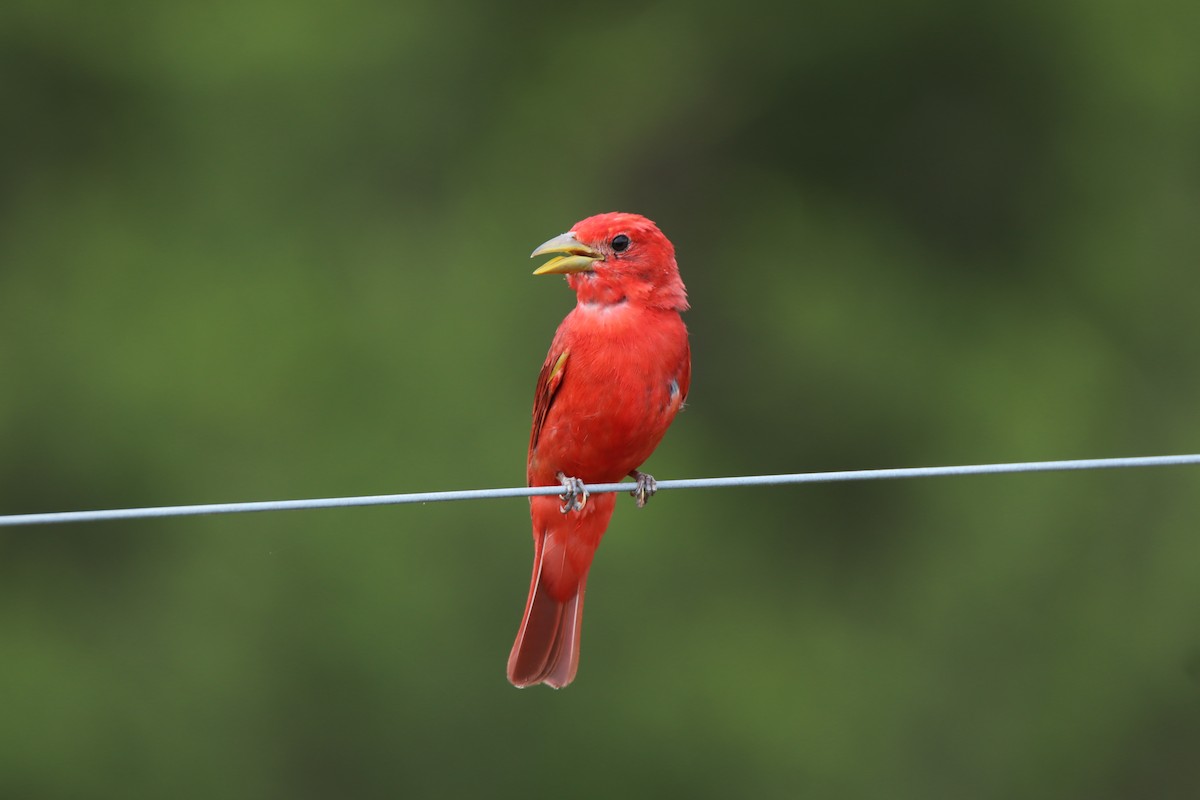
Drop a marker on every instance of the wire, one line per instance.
(13, 520)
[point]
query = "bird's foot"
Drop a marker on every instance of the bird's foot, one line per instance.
(646, 487)
(575, 494)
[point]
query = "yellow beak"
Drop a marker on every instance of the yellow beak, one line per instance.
(576, 257)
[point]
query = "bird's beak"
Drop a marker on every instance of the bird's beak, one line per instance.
(575, 256)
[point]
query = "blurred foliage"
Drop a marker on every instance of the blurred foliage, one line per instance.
(264, 250)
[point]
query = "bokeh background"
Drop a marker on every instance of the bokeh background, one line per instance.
(265, 249)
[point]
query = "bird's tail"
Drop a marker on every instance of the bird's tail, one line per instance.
(547, 645)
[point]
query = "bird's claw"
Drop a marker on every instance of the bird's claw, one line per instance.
(646, 487)
(575, 494)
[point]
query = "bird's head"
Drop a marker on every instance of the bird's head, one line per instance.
(615, 258)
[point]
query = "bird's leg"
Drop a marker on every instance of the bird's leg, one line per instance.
(575, 494)
(646, 486)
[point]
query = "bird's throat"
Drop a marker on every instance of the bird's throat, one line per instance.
(594, 291)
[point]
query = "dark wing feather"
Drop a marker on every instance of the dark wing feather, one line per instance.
(685, 374)
(547, 386)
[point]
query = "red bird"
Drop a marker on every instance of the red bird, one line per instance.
(617, 373)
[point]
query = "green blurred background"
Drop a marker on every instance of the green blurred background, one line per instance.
(263, 250)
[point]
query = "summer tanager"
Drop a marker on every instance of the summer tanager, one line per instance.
(617, 372)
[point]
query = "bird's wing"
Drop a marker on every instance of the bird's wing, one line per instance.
(547, 386)
(685, 373)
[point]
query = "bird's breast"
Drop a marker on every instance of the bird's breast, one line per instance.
(623, 385)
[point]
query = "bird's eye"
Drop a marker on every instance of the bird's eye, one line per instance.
(620, 243)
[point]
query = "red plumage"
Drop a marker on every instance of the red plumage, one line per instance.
(616, 374)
